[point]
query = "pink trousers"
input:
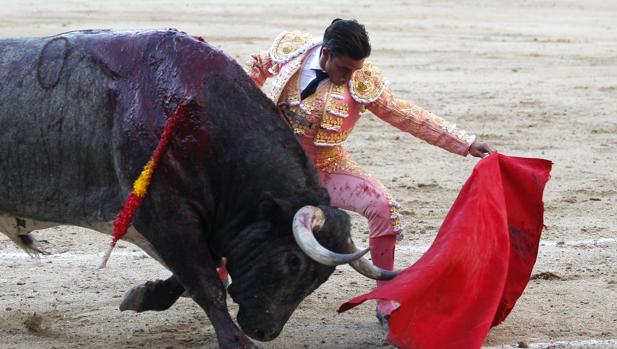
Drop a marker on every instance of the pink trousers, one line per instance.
(352, 189)
(364, 195)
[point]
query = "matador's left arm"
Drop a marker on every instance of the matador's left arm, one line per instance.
(369, 88)
(421, 123)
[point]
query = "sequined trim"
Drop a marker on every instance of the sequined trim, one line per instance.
(335, 159)
(330, 138)
(260, 67)
(332, 123)
(335, 112)
(274, 69)
(367, 84)
(308, 108)
(338, 108)
(412, 118)
(304, 109)
(396, 217)
(289, 45)
(251, 67)
(332, 116)
(282, 79)
(325, 110)
(451, 128)
(299, 128)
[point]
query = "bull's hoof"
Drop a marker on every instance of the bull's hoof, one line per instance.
(241, 342)
(134, 299)
(33, 247)
(153, 295)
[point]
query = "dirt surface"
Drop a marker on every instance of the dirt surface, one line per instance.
(534, 78)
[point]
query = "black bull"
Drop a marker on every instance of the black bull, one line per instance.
(82, 112)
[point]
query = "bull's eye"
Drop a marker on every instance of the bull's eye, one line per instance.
(293, 263)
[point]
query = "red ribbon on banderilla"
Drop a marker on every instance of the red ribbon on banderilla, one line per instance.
(140, 186)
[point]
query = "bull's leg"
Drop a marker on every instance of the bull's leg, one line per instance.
(161, 294)
(30, 245)
(18, 230)
(181, 243)
(153, 295)
(202, 282)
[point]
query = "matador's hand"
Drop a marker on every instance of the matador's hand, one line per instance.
(480, 148)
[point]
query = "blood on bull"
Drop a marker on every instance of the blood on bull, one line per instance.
(81, 114)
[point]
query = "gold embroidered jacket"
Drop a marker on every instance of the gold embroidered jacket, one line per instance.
(332, 111)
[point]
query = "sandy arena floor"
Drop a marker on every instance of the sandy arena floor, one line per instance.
(534, 78)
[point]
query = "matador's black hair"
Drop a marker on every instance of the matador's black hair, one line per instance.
(347, 38)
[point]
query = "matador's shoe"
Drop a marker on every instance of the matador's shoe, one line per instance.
(383, 321)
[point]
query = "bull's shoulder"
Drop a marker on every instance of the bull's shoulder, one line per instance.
(289, 45)
(367, 84)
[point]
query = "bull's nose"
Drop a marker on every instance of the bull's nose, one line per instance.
(263, 335)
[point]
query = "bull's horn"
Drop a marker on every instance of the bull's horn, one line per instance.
(371, 271)
(310, 218)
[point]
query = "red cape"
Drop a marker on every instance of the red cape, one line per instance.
(479, 263)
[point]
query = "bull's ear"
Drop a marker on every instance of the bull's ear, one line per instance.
(336, 231)
(324, 195)
(272, 208)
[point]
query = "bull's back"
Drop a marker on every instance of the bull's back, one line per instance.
(56, 116)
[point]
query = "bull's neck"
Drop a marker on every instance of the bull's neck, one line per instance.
(231, 232)
(240, 243)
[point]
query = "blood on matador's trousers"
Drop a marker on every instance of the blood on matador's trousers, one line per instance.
(351, 188)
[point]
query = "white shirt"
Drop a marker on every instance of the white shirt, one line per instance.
(307, 74)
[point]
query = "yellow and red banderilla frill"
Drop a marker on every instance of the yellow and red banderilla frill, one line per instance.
(140, 186)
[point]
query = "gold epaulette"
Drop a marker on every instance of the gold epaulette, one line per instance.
(367, 84)
(289, 45)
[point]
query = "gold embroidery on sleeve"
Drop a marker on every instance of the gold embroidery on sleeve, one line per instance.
(289, 45)
(367, 84)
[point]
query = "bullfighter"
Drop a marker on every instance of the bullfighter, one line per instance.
(323, 85)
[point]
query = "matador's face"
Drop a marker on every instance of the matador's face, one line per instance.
(339, 68)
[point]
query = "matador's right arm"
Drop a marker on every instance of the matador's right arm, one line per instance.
(259, 67)
(286, 46)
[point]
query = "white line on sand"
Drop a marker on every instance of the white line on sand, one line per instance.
(602, 242)
(18, 254)
(587, 343)
(68, 255)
